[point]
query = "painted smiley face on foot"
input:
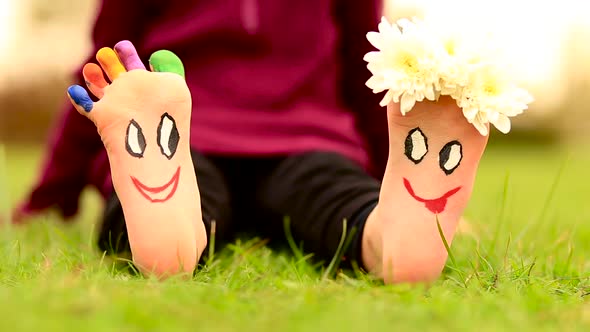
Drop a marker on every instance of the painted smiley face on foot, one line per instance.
(436, 205)
(167, 139)
(450, 156)
(158, 194)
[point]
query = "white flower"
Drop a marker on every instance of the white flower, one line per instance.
(490, 98)
(406, 64)
(420, 60)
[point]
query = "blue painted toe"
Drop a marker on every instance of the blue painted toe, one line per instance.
(80, 97)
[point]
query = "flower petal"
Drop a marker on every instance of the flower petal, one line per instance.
(373, 56)
(386, 99)
(502, 123)
(375, 39)
(429, 93)
(481, 127)
(407, 103)
(376, 84)
(470, 112)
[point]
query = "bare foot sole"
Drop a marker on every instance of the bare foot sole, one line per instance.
(143, 118)
(433, 159)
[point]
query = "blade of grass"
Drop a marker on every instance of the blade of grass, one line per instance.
(290, 239)
(4, 196)
(502, 214)
(339, 251)
(538, 222)
(552, 190)
(444, 240)
(449, 252)
(212, 242)
(568, 261)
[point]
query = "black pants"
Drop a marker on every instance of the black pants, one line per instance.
(316, 190)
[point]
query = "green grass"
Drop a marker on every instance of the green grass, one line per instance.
(522, 264)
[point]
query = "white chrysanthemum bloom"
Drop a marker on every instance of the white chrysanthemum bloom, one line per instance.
(453, 76)
(490, 97)
(406, 64)
(423, 60)
(453, 57)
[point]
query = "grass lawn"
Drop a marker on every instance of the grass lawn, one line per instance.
(521, 263)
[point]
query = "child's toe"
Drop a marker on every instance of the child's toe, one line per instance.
(80, 99)
(128, 55)
(94, 79)
(166, 61)
(110, 63)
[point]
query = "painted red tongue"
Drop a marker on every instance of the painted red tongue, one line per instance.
(436, 205)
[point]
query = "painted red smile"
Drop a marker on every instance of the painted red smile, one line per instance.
(434, 205)
(158, 194)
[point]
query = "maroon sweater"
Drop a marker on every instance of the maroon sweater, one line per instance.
(267, 77)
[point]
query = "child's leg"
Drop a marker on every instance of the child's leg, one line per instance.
(318, 191)
(433, 158)
(143, 119)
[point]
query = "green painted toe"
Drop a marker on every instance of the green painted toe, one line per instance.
(166, 61)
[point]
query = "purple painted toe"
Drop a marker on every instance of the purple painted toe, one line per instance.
(128, 55)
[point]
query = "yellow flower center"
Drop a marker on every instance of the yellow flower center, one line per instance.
(408, 61)
(450, 46)
(491, 87)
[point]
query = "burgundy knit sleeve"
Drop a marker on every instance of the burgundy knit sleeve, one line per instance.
(356, 18)
(74, 143)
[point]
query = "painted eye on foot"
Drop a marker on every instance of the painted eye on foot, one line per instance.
(135, 140)
(168, 136)
(450, 157)
(416, 145)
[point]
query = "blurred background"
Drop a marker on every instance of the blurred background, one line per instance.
(42, 41)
